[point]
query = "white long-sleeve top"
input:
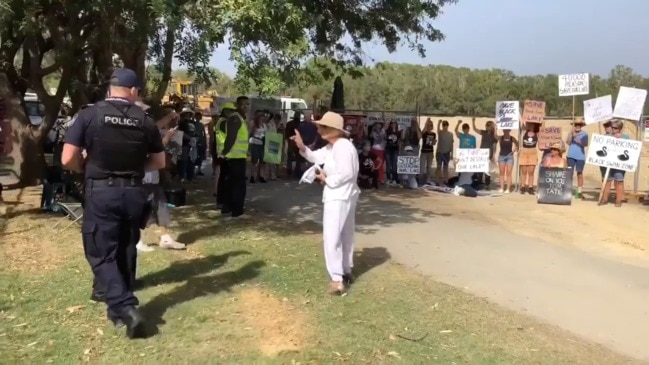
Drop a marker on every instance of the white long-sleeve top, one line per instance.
(341, 168)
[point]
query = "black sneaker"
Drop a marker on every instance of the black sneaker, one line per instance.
(262, 180)
(530, 191)
(135, 325)
(252, 180)
(523, 189)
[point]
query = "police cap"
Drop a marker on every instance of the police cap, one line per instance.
(124, 77)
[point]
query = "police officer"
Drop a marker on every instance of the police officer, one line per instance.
(227, 109)
(119, 140)
(235, 152)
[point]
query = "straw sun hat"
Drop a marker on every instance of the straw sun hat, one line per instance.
(332, 120)
(558, 146)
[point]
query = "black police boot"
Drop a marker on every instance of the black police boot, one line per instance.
(117, 322)
(134, 321)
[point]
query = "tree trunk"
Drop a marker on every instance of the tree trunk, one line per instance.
(24, 161)
(167, 60)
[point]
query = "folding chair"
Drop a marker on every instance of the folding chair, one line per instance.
(72, 211)
(70, 203)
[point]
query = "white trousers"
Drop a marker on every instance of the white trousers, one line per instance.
(338, 226)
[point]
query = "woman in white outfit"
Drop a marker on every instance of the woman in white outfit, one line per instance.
(338, 172)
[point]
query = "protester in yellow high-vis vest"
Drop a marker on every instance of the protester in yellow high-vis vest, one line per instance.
(218, 137)
(234, 153)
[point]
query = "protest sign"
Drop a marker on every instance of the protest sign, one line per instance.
(403, 121)
(598, 109)
(533, 111)
(273, 148)
(646, 130)
(629, 103)
(554, 186)
(408, 165)
(574, 84)
(548, 136)
(615, 153)
(472, 160)
(372, 118)
(507, 114)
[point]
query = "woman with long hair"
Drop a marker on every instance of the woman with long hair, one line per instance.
(508, 147)
(393, 141)
(336, 167)
(528, 157)
(379, 141)
(429, 140)
(257, 140)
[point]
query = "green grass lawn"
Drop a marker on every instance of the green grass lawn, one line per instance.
(249, 293)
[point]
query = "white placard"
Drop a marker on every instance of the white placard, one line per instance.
(646, 130)
(574, 84)
(472, 160)
(616, 153)
(372, 118)
(403, 121)
(629, 103)
(507, 114)
(408, 165)
(598, 109)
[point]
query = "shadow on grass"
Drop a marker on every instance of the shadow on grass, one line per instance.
(369, 258)
(183, 270)
(288, 208)
(196, 287)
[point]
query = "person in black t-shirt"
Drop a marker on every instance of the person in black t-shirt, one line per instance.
(368, 174)
(428, 142)
(392, 144)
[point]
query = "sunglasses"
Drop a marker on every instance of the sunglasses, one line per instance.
(615, 128)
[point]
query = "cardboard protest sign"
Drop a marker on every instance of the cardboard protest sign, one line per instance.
(574, 84)
(507, 114)
(548, 136)
(408, 165)
(373, 117)
(353, 126)
(598, 109)
(403, 121)
(472, 160)
(630, 103)
(615, 153)
(273, 148)
(554, 186)
(533, 111)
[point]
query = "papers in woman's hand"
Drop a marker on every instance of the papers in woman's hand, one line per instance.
(308, 177)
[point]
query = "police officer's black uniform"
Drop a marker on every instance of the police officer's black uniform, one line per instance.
(118, 136)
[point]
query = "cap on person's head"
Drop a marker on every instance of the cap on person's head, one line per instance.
(557, 146)
(332, 120)
(187, 110)
(408, 149)
(579, 122)
(228, 106)
(124, 77)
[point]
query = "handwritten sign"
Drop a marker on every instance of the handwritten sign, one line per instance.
(574, 84)
(598, 109)
(629, 104)
(548, 136)
(533, 111)
(372, 118)
(403, 121)
(554, 186)
(646, 130)
(408, 165)
(472, 160)
(507, 114)
(616, 153)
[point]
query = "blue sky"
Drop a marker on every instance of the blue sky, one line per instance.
(559, 36)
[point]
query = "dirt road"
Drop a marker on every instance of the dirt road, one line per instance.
(583, 268)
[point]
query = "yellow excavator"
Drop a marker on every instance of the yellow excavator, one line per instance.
(192, 93)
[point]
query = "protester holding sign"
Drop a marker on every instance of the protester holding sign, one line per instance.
(608, 131)
(555, 157)
(508, 148)
(577, 141)
(392, 151)
(429, 139)
(615, 176)
(368, 174)
(528, 158)
(487, 140)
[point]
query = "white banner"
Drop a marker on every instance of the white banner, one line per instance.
(408, 165)
(472, 160)
(629, 103)
(574, 84)
(507, 114)
(403, 121)
(598, 109)
(616, 153)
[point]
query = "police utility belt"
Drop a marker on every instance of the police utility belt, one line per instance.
(115, 182)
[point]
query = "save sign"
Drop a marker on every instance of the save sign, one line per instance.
(507, 114)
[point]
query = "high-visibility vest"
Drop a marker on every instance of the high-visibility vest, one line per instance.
(240, 148)
(220, 136)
